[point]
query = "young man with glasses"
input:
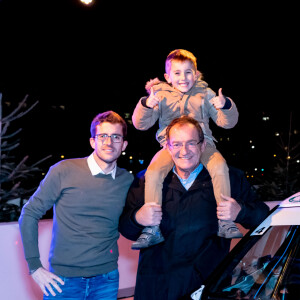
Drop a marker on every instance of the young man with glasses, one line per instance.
(88, 195)
(187, 218)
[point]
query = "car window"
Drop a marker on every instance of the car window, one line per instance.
(266, 266)
(289, 285)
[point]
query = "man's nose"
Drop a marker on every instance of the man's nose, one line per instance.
(184, 148)
(108, 140)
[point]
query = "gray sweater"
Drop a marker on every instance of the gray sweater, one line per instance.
(85, 220)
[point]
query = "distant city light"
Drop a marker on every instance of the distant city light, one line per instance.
(274, 155)
(276, 134)
(130, 157)
(62, 156)
(266, 118)
(253, 147)
(297, 161)
(130, 172)
(141, 161)
(123, 153)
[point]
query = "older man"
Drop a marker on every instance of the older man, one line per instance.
(188, 218)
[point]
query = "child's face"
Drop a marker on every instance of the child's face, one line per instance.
(182, 75)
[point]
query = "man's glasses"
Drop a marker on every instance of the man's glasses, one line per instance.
(115, 138)
(189, 145)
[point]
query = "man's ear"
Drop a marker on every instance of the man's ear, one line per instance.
(92, 143)
(203, 145)
(168, 148)
(125, 143)
(167, 77)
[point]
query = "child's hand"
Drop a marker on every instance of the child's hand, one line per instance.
(219, 101)
(150, 84)
(152, 100)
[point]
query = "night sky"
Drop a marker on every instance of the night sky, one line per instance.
(78, 61)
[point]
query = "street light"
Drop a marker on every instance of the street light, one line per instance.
(87, 2)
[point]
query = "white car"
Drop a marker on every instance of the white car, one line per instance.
(265, 264)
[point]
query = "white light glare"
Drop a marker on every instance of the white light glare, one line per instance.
(87, 2)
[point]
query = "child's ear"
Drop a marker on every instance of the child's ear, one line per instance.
(198, 74)
(167, 78)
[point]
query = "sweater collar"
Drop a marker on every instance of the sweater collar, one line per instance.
(95, 168)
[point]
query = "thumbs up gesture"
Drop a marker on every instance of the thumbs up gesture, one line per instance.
(152, 100)
(219, 101)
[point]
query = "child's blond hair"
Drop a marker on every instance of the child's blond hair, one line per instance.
(180, 55)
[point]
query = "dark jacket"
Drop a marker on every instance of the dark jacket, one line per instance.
(191, 249)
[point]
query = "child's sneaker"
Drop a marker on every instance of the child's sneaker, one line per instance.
(150, 236)
(229, 230)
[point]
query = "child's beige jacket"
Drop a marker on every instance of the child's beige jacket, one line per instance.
(196, 103)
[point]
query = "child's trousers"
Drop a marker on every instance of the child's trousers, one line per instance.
(162, 163)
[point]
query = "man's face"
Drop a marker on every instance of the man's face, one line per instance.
(182, 75)
(107, 151)
(186, 157)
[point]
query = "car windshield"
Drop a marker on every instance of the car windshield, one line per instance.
(264, 267)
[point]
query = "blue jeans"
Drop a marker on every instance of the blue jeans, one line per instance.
(103, 286)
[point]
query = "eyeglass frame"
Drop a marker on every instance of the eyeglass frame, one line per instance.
(186, 143)
(105, 136)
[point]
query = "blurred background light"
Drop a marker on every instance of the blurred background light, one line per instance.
(87, 2)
